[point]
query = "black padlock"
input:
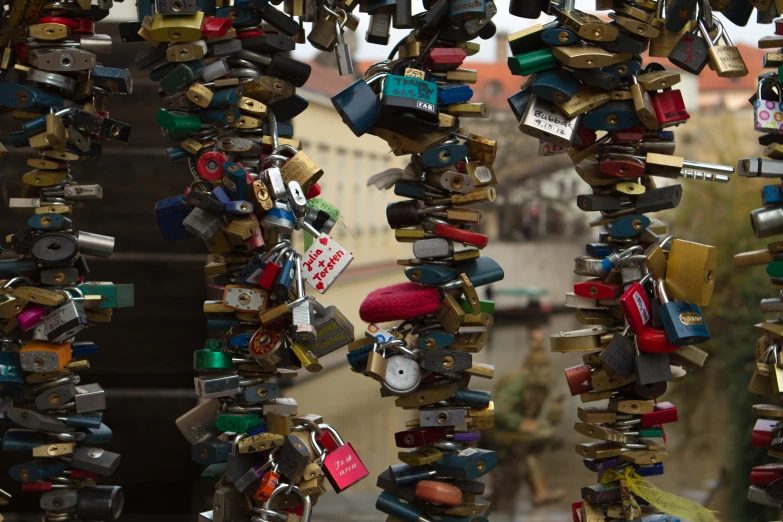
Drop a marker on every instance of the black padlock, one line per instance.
(619, 356)
(294, 457)
(775, 491)
(446, 361)
(625, 42)
(269, 43)
(279, 20)
(401, 214)
(652, 368)
(408, 105)
(598, 78)
(596, 202)
(644, 392)
(738, 12)
(528, 8)
(55, 249)
(288, 109)
(662, 198)
(691, 53)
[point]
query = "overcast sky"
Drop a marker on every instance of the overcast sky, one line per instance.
(505, 22)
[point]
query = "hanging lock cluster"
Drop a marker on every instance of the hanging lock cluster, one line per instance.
(415, 101)
(766, 481)
(53, 84)
(229, 92)
(588, 94)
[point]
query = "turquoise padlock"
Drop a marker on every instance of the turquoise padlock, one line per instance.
(555, 85)
(612, 116)
(11, 378)
(357, 105)
(628, 226)
(430, 274)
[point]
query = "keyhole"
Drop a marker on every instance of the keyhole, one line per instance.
(54, 246)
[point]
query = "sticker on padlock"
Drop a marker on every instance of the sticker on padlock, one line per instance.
(324, 262)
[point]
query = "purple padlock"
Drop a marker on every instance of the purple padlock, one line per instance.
(463, 436)
(31, 317)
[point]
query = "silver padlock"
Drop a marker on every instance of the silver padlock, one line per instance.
(89, 397)
(403, 373)
(542, 119)
(333, 330)
(380, 28)
(66, 320)
(433, 248)
(201, 223)
(588, 266)
(301, 314)
(227, 504)
(96, 245)
(341, 50)
(286, 488)
(441, 417)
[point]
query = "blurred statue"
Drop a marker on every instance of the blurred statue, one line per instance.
(523, 431)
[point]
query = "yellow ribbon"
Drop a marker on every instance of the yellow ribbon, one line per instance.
(666, 502)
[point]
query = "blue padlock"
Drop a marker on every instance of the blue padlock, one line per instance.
(771, 195)
(624, 69)
(284, 130)
(21, 440)
(14, 96)
(239, 208)
(242, 14)
(288, 109)
(11, 378)
(17, 267)
(169, 214)
(558, 36)
(683, 322)
(409, 189)
(467, 464)
(444, 155)
(257, 430)
(286, 277)
(235, 181)
(99, 435)
(19, 139)
(177, 153)
(482, 271)
(37, 470)
(473, 398)
(358, 107)
(358, 358)
(222, 116)
(649, 471)
(221, 323)
(35, 126)
(252, 270)
(83, 349)
(448, 94)
(239, 340)
(262, 392)
(210, 452)
(49, 222)
(430, 274)
(599, 249)
(555, 85)
(92, 419)
(436, 339)
(612, 116)
(396, 507)
(519, 101)
(628, 226)
(460, 10)
(226, 97)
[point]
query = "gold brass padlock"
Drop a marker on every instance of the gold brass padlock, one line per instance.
(180, 28)
(302, 169)
(690, 273)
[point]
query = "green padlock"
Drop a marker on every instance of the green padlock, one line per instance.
(237, 423)
(651, 433)
(113, 296)
(530, 63)
(212, 357)
(214, 472)
(775, 269)
(178, 122)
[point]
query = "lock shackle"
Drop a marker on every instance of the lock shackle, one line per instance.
(666, 240)
(712, 42)
(290, 148)
(300, 287)
(270, 115)
(333, 432)
(17, 279)
(776, 84)
(375, 77)
(426, 49)
(661, 288)
(272, 158)
(307, 424)
(771, 350)
(198, 182)
(273, 250)
(307, 503)
(399, 344)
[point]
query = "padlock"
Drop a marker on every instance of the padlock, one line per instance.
(690, 272)
(683, 322)
(66, 320)
(402, 375)
(725, 59)
(542, 119)
(767, 114)
(342, 466)
(358, 106)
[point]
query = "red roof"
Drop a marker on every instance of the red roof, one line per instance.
(709, 81)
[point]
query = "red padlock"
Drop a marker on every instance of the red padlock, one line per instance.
(584, 136)
(256, 241)
(36, 486)
(415, 437)
(669, 106)
(462, 236)
(268, 484)
(779, 26)
(270, 272)
(636, 307)
(664, 413)
(250, 33)
(579, 379)
(629, 135)
(210, 165)
(620, 167)
(655, 340)
(215, 27)
(763, 433)
(438, 493)
(343, 467)
(76, 25)
(576, 511)
(598, 289)
(445, 58)
(763, 476)
(314, 191)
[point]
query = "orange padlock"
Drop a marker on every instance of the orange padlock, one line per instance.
(438, 493)
(43, 356)
(268, 484)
